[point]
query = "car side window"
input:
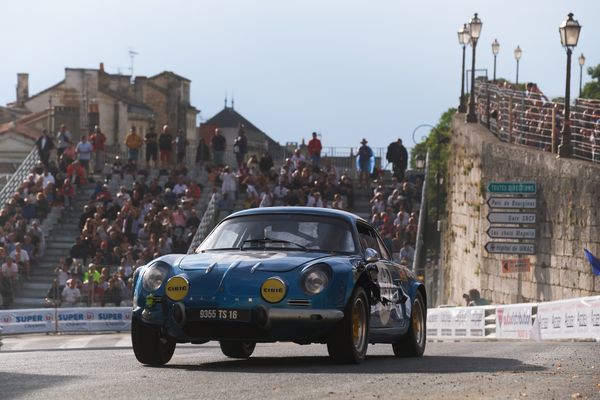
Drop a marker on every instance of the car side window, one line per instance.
(367, 238)
(382, 249)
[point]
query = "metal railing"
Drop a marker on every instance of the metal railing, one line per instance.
(208, 222)
(530, 119)
(19, 176)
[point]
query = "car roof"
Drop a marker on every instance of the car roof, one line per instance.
(325, 212)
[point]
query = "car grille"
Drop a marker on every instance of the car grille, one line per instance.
(299, 302)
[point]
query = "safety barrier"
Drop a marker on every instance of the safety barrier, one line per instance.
(19, 176)
(565, 319)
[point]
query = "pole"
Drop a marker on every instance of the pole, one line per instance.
(462, 108)
(580, 78)
(494, 68)
(487, 108)
(517, 80)
(565, 149)
(472, 117)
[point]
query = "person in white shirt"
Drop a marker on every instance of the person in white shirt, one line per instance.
(22, 259)
(180, 187)
(71, 294)
(279, 194)
(297, 158)
(229, 184)
(84, 152)
(314, 200)
(47, 179)
(408, 252)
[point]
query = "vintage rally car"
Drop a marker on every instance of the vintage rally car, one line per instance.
(305, 275)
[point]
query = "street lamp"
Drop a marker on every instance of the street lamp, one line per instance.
(474, 32)
(495, 50)
(463, 40)
(569, 35)
(518, 53)
(420, 162)
(581, 63)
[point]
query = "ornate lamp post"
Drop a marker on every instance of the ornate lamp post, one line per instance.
(495, 50)
(569, 36)
(474, 31)
(518, 53)
(463, 40)
(581, 64)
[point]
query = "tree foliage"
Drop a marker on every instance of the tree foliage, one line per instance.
(591, 90)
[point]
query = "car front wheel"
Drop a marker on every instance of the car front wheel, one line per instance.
(348, 344)
(412, 343)
(151, 345)
(235, 349)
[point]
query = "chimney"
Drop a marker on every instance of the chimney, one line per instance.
(22, 88)
(101, 67)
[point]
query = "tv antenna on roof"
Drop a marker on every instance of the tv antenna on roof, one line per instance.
(132, 54)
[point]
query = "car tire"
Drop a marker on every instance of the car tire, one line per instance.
(237, 349)
(348, 344)
(412, 343)
(151, 345)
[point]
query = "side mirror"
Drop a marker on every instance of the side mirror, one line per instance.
(371, 255)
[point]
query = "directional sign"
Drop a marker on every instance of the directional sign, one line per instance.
(512, 187)
(518, 265)
(511, 202)
(511, 218)
(499, 232)
(510, 248)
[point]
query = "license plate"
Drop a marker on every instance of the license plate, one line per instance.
(212, 314)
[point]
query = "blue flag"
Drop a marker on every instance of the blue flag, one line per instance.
(593, 260)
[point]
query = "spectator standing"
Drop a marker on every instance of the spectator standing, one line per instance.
(44, 145)
(151, 140)
(265, 164)
(218, 144)
(202, 153)
(98, 141)
(22, 259)
(84, 152)
(229, 184)
(314, 149)
(365, 163)
(63, 140)
(77, 174)
(240, 146)
(8, 281)
(181, 144)
(133, 142)
(398, 156)
(165, 145)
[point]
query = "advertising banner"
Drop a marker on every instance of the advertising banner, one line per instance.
(27, 321)
(513, 321)
(456, 323)
(570, 319)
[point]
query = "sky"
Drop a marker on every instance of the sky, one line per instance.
(346, 69)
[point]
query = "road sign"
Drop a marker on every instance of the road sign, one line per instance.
(511, 202)
(518, 265)
(500, 232)
(512, 187)
(510, 248)
(511, 218)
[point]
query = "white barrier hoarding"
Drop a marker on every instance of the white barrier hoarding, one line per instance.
(570, 319)
(456, 322)
(513, 321)
(66, 320)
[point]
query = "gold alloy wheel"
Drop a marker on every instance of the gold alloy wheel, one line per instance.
(359, 324)
(417, 323)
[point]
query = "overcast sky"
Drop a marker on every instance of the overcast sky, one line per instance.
(347, 69)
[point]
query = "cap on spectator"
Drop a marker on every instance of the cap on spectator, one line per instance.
(364, 141)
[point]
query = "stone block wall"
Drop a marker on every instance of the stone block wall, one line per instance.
(568, 220)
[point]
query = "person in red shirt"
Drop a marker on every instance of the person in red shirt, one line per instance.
(98, 140)
(67, 191)
(314, 149)
(76, 173)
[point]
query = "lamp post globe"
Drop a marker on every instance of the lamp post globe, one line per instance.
(518, 54)
(569, 31)
(495, 51)
(475, 25)
(581, 64)
(463, 40)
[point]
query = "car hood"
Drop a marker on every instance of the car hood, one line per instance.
(269, 261)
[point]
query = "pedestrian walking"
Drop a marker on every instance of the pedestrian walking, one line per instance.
(84, 151)
(398, 156)
(365, 162)
(98, 141)
(44, 145)
(63, 140)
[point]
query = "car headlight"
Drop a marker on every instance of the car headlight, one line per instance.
(155, 275)
(316, 278)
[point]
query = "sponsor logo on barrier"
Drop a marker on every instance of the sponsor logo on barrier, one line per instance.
(110, 316)
(71, 317)
(29, 318)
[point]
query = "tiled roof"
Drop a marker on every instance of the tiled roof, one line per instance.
(20, 129)
(229, 118)
(171, 74)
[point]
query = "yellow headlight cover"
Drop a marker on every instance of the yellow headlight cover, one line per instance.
(177, 288)
(273, 290)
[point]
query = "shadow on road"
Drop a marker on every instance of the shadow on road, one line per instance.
(372, 365)
(31, 383)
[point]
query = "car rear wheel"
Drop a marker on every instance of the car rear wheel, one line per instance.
(348, 344)
(236, 349)
(412, 343)
(151, 345)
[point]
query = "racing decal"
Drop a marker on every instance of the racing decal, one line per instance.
(273, 290)
(177, 288)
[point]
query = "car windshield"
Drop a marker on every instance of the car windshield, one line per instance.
(281, 231)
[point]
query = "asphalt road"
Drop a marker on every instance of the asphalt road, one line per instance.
(103, 366)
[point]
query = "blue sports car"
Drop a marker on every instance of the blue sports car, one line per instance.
(305, 275)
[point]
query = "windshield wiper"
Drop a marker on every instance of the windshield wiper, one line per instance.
(265, 240)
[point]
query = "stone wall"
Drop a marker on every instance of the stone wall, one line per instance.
(568, 201)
